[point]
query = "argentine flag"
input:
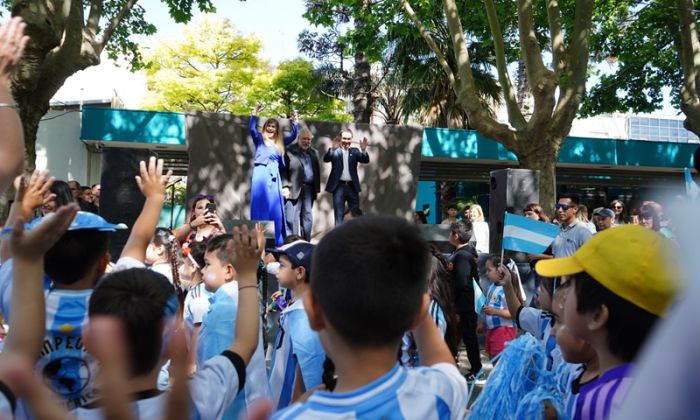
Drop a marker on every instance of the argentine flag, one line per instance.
(691, 188)
(527, 235)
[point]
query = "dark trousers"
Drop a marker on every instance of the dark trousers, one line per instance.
(299, 213)
(467, 332)
(345, 192)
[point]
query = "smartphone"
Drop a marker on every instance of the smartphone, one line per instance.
(211, 207)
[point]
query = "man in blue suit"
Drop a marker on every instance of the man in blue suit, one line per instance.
(343, 181)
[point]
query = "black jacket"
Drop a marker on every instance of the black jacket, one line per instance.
(293, 173)
(463, 269)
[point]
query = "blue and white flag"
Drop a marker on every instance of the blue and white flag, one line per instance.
(691, 188)
(527, 235)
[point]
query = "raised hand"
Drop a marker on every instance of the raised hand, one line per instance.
(35, 191)
(247, 250)
(258, 107)
(12, 43)
(336, 143)
(151, 180)
(33, 244)
(364, 143)
(294, 116)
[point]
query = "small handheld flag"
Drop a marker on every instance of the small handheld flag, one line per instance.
(527, 235)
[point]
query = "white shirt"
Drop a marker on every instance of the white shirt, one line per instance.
(345, 176)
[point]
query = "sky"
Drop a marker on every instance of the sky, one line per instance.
(276, 22)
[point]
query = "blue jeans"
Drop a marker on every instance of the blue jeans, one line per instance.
(345, 192)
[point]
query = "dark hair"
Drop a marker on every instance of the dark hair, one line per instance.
(142, 300)
(375, 302)
(63, 193)
(75, 254)
(196, 199)
(354, 212)
(573, 197)
(197, 250)
(292, 238)
(421, 217)
(441, 291)
(164, 237)
(628, 325)
(452, 206)
(346, 130)
(463, 230)
(654, 211)
(537, 209)
(622, 218)
(218, 245)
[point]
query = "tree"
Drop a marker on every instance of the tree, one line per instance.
(557, 90)
(296, 86)
(210, 67)
(70, 35)
(647, 41)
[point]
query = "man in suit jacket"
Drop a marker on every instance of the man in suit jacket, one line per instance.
(343, 181)
(301, 182)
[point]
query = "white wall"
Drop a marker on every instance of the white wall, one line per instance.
(59, 149)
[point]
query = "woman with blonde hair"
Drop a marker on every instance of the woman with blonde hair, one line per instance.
(266, 201)
(480, 228)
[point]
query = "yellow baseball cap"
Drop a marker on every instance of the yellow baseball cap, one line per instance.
(634, 263)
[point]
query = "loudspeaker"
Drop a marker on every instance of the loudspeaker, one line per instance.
(510, 191)
(121, 200)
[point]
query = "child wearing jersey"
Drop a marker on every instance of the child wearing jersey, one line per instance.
(219, 323)
(581, 360)
(367, 289)
(495, 317)
(622, 281)
(297, 358)
(72, 267)
(146, 305)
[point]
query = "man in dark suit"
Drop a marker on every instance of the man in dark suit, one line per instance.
(301, 182)
(343, 181)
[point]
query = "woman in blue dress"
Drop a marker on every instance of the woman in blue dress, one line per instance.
(266, 201)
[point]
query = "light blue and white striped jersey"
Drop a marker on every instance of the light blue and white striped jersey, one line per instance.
(296, 344)
(409, 352)
(64, 363)
(216, 335)
(539, 323)
(436, 392)
(604, 395)
(496, 298)
(196, 304)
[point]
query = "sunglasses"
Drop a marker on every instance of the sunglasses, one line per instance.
(617, 207)
(198, 197)
(564, 207)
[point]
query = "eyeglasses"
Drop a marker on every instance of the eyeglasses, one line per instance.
(564, 207)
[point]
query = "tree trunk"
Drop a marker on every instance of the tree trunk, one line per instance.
(524, 96)
(362, 109)
(689, 54)
(542, 155)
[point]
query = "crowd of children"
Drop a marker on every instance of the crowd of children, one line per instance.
(367, 328)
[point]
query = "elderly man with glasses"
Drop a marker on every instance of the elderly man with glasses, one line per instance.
(573, 233)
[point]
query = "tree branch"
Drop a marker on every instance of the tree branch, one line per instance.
(532, 54)
(467, 95)
(94, 17)
(573, 87)
(431, 43)
(689, 54)
(555, 33)
(515, 117)
(116, 20)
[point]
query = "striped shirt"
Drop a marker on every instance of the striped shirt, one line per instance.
(436, 392)
(409, 352)
(196, 304)
(296, 345)
(599, 398)
(496, 298)
(64, 362)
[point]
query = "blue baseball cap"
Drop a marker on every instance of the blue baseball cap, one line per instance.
(82, 220)
(604, 212)
(298, 252)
